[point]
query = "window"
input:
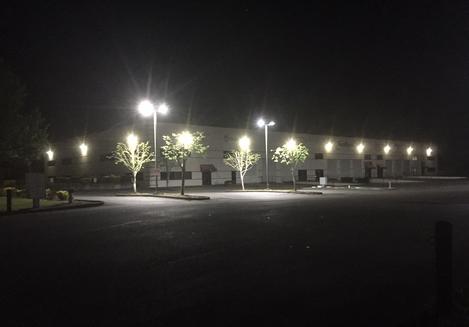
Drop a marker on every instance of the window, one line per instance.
(367, 156)
(51, 163)
(430, 158)
(67, 161)
(319, 156)
(415, 158)
(379, 157)
(106, 157)
(431, 169)
(175, 175)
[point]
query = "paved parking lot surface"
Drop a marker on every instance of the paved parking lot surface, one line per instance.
(348, 256)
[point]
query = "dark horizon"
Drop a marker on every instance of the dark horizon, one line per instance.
(379, 69)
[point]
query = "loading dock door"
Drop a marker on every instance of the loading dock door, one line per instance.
(206, 178)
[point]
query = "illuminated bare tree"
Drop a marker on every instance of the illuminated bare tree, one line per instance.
(243, 159)
(133, 155)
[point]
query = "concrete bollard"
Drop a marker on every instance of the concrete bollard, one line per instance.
(444, 268)
(389, 185)
(9, 197)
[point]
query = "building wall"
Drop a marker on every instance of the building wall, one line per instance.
(342, 162)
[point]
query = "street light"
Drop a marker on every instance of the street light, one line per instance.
(261, 123)
(329, 146)
(84, 149)
(146, 109)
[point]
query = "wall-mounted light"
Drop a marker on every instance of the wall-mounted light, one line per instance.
(244, 143)
(132, 142)
(50, 154)
(409, 150)
(387, 148)
(429, 151)
(329, 146)
(83, 149)
(360, 147)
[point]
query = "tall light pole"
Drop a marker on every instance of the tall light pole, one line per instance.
(146, 109)
(261, 123)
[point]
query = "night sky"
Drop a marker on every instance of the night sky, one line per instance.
(379, 69)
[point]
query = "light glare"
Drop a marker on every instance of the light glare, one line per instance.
(328, 146)
(291, 144)
(84, 149)
(409, 150)
(244, 143)
(146, 108)
(163, 108)
(185, 139)
(429, 151)
(261, 123)
(50, 154)
(132, 142)
(387, 148)
(271, 123)
(360, 148)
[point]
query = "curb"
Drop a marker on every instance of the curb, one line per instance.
(58, 207)
(279, 191)
(169, 196)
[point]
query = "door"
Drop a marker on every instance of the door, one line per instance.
(319, 173)
(302, 175)
(233, 176)
(380, 171)
(206, 178)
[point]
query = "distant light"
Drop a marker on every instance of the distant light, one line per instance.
(261, 123)
(271, 123)
(132, 142)
(360, 147)
(328, 146)
(163, 108)
(50, 154)
(387, 148)
(146, 108)
(429, 151)
(185, 139)
(409, 150)
(244, 143)
(84, 149)
(291, 144)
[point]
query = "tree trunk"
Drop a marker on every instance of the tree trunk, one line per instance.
(242, 180)
(135, 182)
(293, 178)
(183, 181)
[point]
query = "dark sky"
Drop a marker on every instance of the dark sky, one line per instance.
(379, 68)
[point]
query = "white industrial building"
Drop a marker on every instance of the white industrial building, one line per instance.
(343, 162)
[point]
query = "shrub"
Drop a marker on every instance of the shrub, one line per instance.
(62, 195)
(50, 194)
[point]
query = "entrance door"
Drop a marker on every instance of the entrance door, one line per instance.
(380, 171)
(206, 178)
(233, 176)
(319, 173)
(302, 175)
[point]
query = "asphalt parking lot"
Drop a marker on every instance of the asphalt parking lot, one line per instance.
(363, 256)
